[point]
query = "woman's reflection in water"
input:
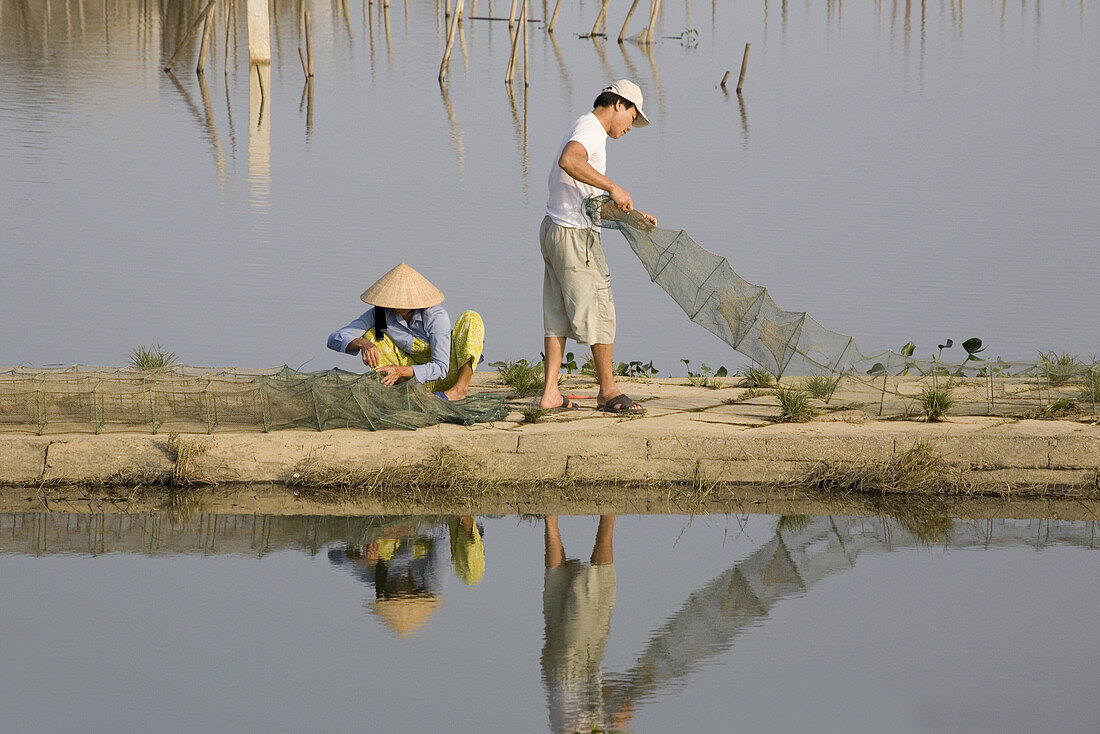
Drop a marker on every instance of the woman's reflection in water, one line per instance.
(577, 599)
(403, 565)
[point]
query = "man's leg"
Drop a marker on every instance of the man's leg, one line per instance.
(554, 553)
(601, 549)
(554, 347)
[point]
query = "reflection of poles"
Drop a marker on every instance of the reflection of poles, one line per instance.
(456, 131)
(219, 155)
(259, 135)
(744, 117)
(389, 38)
(608, 71)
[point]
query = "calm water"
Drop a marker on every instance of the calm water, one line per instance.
(652, 624)
(901, 170)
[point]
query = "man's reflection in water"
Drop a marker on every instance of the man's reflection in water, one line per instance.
(403, 564)
(577, 600)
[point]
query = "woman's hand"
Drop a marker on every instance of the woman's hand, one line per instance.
(391, 373)
(371, 357)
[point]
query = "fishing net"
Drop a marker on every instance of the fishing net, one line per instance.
(744, 315)
(190, 399)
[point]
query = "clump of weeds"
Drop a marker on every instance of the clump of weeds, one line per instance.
(821, 387)
(935, 401)
(522, 376)
(151, 358)
(534, 414)
(794, 405)
(756, 376)
(919, 470)
(1059, 369)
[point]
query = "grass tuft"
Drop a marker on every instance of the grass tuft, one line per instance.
(523, 377)
(935, 401)
(185, 453)
(155, 357)
(754, 376)
(794, 405)
(821, 387)
(1059, 369)
(919, 470)
(1090, 387)
(534, 414)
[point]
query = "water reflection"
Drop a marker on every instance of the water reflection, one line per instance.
(577, 601)
(402, 560)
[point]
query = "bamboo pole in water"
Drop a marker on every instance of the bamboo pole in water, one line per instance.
(554, 17)
(187, 36)
(309, 45)
(452, 32)
(259, 32)
(655, 8)
(629, 15)
(207, 31)
(512, 15)
(744, 64)
(515, 47)
(600, 17)
(526, 75)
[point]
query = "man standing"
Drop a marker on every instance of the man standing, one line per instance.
(576, 286)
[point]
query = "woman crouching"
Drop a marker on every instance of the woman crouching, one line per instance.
(407, 334)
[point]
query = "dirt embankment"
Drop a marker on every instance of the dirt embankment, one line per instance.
(697, 448)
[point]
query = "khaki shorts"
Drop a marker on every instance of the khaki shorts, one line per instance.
(576, 285)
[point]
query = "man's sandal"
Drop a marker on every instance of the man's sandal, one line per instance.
(566, 404)
(623, 405)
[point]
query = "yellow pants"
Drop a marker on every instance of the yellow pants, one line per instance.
(467, 341)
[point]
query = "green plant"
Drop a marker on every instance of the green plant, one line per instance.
(706, 377)
(150, 358)
(794, 405)
(524, 378)
(635, 369)
(534, 414)
(1063, 407)
(821, 387)
(569, 364)
(1059, 369)
(1090, 387)
(756, 376)
(935, 401)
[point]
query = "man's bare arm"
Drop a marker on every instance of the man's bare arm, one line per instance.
(574, 161)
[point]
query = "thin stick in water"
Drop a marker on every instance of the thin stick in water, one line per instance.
(629, 15)
(187, 36)
(207, 31)
(725, 78)
(554, 17)
(744, 65)
(309, 45)
(452, 31)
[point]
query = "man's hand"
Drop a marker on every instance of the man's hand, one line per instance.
(621, 197)
(391, 373)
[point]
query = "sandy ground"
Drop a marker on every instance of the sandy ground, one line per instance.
(696, 449)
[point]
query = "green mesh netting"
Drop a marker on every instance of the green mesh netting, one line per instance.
(744, 316)
(190, 399)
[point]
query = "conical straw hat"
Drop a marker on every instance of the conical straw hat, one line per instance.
(403, 287)
(406, 615)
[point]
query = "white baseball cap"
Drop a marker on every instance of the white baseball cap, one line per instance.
(630, 91)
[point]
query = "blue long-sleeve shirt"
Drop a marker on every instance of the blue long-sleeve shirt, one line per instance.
(430, 325)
